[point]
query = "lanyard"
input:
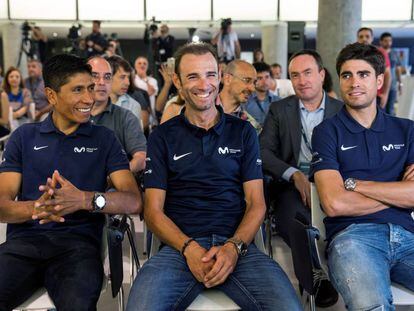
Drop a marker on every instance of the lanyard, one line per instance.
(305, 139)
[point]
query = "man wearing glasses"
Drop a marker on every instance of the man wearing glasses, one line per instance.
(126, 126)
(239, 80)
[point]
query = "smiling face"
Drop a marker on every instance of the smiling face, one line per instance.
(307, 79)
(198, 81)
(359, 84)
(73, 102)
(241, 83)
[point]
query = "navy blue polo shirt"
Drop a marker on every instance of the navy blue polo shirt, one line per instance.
(380, 153)
(203, 172)
(85, 158)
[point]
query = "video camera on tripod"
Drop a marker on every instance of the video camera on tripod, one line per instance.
(26, 46)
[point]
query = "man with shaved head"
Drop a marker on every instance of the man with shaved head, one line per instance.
(239, 80)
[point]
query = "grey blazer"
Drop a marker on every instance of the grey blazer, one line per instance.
(281, 136)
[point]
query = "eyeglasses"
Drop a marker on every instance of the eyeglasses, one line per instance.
(246, 80)
(107, 77)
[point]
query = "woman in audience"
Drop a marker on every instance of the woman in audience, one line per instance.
(14, 95)
(258, 56)
(328, 84)
(172, 108)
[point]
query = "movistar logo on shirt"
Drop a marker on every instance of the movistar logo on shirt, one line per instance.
(227, 150)
(84, 149)
(390, 147)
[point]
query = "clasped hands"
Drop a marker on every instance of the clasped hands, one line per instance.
(213, 266)
(60, 197)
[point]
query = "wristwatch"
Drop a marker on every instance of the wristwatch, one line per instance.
(350, 184)
(98, 202)
(241, 247)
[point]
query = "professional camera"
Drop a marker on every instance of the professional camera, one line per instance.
(26, 28)
(74, 32)
(225, 23)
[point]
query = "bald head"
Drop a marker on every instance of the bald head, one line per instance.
(102, 77)
(239, 81)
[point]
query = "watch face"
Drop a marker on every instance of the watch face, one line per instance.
(100, 201)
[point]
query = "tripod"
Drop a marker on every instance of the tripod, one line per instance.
(26, 47)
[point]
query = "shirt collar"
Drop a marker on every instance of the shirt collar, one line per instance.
(353, 126)
(321, 107)
(47, 126)
(218, 128)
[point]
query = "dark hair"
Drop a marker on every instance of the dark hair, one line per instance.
(276, 65)
(6, 84)
(366, 52)
(59, 68)
(255, 60)
(385, 35)
(199, 48)
(327, 82)
(96, 22)
(117, 61)
(262, 67)
(312, 53)
(367, 29)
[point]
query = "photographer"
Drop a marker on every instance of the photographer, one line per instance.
(163, 45)
(96, 42)
(228, 46)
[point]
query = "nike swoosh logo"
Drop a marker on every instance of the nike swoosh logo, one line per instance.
(175, 157)
(39, 148)
(347, 148)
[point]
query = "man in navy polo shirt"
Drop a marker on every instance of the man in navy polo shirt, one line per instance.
(204, 200)
(363, 169)
(58, 170)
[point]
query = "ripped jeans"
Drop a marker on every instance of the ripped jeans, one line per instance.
(364, 259)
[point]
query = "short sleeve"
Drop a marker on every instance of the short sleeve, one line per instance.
(11, 160)
(117, 158)
(134, 137)
(251, 166)
(156, 170)
(324, 146)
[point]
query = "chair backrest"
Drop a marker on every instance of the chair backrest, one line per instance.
(3, 232)
(317, 216)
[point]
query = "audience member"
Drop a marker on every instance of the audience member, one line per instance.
(286, 149)
(121, 72)
(365, 35)
(395, 88)
(228, 45)
(258, 104)
(16, 96)
(143, 99)
(207, 234)
(238, 85)
(34, 82)
(95, 41)
(172, 108)
(363, 170)
(276, 71)
(58, 170)
(147, 83)
(124, 123)
(40, 43)
(258, 56)
(328, 84)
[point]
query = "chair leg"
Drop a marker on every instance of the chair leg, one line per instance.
(312, 306)
(121, 299)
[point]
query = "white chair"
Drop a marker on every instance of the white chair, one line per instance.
(401, 295)
(211, 299)
(40, 300)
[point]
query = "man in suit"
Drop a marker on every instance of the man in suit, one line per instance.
(285, 143)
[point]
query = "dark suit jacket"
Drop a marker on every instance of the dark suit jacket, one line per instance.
(281, 136)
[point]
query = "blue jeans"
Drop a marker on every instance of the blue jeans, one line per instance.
(364, 259)
(166, 283)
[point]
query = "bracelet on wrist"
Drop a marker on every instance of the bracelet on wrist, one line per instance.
(186, 243)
